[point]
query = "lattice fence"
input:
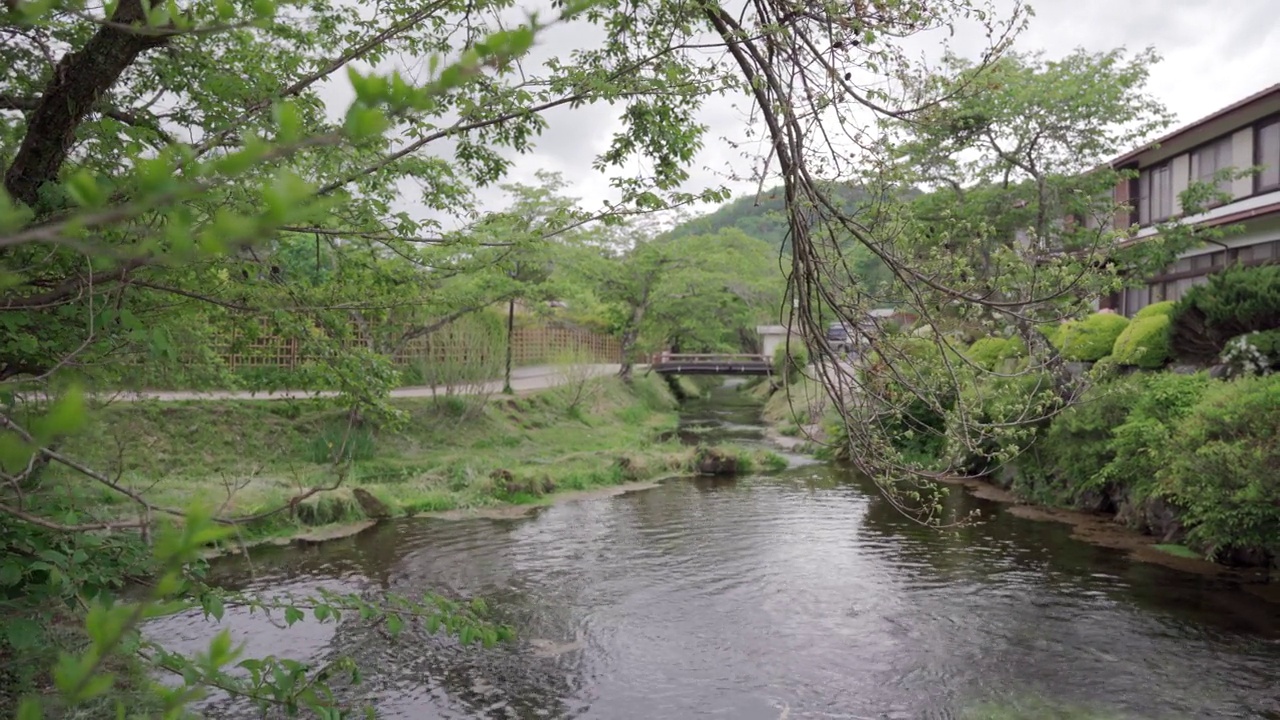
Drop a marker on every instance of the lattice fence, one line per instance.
(531, 346)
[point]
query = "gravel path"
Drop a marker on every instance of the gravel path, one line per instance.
(526, 379)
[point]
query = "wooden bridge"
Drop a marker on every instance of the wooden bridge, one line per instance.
(666, 363)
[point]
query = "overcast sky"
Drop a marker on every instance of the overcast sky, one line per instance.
(1213, 54)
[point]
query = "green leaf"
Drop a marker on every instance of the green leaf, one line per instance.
(292, 615)
(213, 606)
(65, 417)
(84, 189)
(10, 572)
(394, 624)
(220, 648)
(364, 123)
(288, 121)
(23, 633)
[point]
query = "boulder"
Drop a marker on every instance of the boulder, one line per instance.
(1245, 557)
(1153, 517)
(715, 462)
(1096, 501)
(373, 508)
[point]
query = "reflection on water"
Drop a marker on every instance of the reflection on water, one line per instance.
(798, 595)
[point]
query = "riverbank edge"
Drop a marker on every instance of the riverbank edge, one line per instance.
(644, 469)
(340, 531)
(1098, 529)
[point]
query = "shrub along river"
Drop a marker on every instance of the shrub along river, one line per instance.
(797, 594)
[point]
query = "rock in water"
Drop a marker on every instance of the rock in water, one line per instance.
(714, 462)
(372, 506)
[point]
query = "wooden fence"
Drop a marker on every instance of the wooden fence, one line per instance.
(530, 346)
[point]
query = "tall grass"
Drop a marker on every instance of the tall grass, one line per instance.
(472, 356)
(577, 389)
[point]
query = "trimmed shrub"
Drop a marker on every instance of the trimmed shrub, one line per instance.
(1164, 308)
(1144, 343)
(1224, 473)
(1054, 333)
(1092, 338)
(1232, 303)
(989, 352)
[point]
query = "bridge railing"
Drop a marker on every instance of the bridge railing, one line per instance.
(706, 358)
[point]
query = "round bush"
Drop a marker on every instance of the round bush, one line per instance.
(1053, 333)
(1155, 309)
(1091, 339)
(989, 352)
(1144, 342)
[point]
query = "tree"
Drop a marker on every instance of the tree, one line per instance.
(716, 291)
(164, 164)
(1015, 233)
(705, 292)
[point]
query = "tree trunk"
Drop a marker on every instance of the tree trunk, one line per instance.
(511, 325)
(628, 341)
(78, 82)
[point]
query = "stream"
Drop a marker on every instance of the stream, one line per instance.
(795, 594)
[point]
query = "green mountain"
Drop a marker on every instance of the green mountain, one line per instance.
(761, 215)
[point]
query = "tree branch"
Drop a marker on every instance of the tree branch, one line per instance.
(128, 117)
(77, 84)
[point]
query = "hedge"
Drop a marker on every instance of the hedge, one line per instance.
(989, 352)
(1144, 342)
(1091, 339)
(1224, 475)
(1164, 309)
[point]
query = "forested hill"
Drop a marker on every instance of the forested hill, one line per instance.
(760, 215)
(763, 216)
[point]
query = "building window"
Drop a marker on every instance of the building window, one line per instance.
(1266, 150)
(1135, 299)
(1209, 160)
(1155, 194)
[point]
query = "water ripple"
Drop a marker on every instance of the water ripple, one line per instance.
(797, 596)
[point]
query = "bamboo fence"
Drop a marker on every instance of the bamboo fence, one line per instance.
(530, 346)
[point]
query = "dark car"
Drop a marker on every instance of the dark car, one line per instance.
(838, 337)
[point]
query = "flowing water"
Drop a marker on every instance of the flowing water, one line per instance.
(798, 594)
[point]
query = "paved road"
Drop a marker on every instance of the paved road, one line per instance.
(526, 379)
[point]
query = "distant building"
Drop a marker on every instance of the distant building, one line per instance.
(1241, 135)
(773, 337)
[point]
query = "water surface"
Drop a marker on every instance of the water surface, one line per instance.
(800, 594)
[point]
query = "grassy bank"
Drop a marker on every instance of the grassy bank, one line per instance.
(246, 457)
(800, 411)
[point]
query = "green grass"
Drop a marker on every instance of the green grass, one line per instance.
(244, 457)
(1181, 551)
